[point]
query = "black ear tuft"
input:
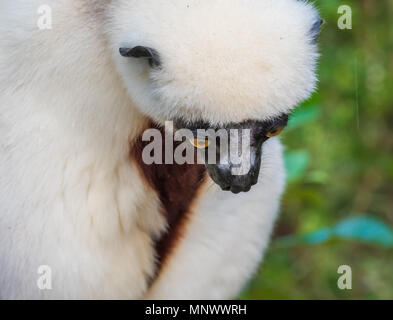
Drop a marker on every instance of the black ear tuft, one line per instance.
(316, 29)
(142, 52)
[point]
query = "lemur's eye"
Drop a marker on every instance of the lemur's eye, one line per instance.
(200, 143)
(274, 133)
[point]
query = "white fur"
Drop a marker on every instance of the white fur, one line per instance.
(225, 239)
(259, 52)
(69, 196)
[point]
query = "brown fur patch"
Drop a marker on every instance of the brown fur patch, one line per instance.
(177, 187)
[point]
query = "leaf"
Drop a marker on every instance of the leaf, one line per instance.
(319, 236)
(296, 163)
(363, 228)
(302, 116)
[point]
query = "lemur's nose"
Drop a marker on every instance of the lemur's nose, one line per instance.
(243, 183)
(224, 177)
(240, 184)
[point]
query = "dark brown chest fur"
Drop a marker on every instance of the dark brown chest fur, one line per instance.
(177, 187)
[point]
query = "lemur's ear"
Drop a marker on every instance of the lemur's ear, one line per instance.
(316, 28)
(142, 52)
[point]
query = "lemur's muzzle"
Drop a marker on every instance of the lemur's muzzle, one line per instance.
(232, 154)
(238, 177)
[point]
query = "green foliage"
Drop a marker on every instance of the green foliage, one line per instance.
(365, 229)
(362, 228)
(296, 164)
(302, 116)
(339, 160)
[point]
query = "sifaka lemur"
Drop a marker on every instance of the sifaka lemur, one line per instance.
(75, 99)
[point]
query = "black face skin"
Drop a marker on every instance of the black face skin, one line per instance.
(221, 173)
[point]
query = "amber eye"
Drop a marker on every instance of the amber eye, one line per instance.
(200, 143)
(275, 133)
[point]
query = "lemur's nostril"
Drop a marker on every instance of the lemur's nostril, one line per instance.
(238, 189)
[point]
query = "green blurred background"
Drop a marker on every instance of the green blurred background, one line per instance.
(338, 208)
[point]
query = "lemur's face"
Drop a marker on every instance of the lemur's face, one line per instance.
(237, 171)
(221, 64)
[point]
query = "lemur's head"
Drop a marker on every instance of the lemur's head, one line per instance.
(218, 64)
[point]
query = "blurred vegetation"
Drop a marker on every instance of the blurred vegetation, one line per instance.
(338, 208)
